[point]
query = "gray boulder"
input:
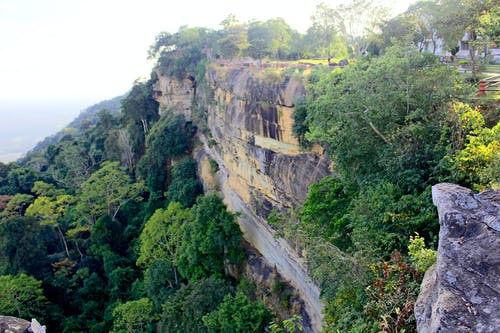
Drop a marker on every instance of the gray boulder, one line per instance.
(13, 325)
(461, 293)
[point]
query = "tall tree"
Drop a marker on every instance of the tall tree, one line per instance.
(133, 317)
(473, 19)
(234, 39)
(106, 191)
(16, 205)
(179, 54)
(169, 138)
(21, 246)
(237, 314)
(371, 115)
(21, 296)
(140, 111)
(211, 241)
(323, 35)
(184, 310)
(185, 186)
(161, 239)
(271, 38)
(50, 208)
(359, 20)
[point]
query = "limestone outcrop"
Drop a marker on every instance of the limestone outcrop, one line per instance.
(461, 292)
(260, 165)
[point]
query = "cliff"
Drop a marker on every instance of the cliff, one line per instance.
(250, 121)
(175, 94)
(249, 117)
(461, 292)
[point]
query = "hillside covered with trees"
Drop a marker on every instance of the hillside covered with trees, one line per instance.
(107, 228)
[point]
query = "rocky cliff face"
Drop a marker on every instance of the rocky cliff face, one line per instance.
(175, 94)
(461, 292)
(260, 164)
(251, 122)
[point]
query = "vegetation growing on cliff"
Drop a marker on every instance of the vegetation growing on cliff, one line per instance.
(107, 230)
(394, 125)
(94, 253)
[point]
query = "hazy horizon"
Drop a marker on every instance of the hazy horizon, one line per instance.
(59, 57)
(27, 122)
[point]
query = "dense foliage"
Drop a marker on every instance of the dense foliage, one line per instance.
(105, 228)
(88, 242)
(393, 125)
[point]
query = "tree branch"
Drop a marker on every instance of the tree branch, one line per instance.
(375, 129)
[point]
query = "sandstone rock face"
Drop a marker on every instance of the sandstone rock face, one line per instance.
(251, 122)
(175, 94)
(261, 166)
(461, 293)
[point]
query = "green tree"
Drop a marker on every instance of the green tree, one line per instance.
(422, 257)
(139, 112)
(4, 171)
(272, 38)
(237, 314)
(16, 206)
(413, 26)
(324, 211)
(290, 325)
(211, 241)
(476, 163)
(185, 186)
(358, 22)
(73, 162)
(106, 191)
(323, 33)
(381, 117)
(168, 138)
(133, 317)
(184, 310)
(107, 234)
(233, 39)
(21, 180)
(21, 296)
(472, 18)
(158, 279)
(161, 239)
(50, 208)
(179, 54)
(22, 248)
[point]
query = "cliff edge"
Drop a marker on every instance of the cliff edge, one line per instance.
(461, 292)
(260, 166)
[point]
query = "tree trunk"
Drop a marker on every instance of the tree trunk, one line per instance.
(145, 127)
(78, 249)
(63, 240)
(472, 52)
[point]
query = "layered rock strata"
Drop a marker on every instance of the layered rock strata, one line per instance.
(260, 165)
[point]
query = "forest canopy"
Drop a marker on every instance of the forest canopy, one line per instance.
(107, 228)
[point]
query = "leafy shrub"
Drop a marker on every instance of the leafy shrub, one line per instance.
(421, 257)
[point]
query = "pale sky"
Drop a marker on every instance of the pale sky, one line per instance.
(79, 52)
